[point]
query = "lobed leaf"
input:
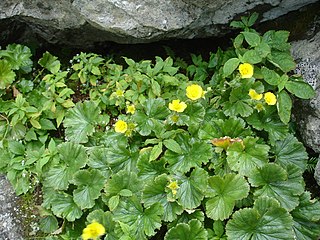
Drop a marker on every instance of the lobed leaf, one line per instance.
(223, 193)
(245, 157)
(274, 181)
(192, 230)
(80, 121)
(266, 220)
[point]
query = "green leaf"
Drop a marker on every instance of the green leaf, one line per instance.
(7, 76)
(253, 39)
(48, 224)
(290, 151)
(149, 170)
(154, 192)
(282, 60)
(252, 57)
(172, 145)
(50, 63)
(274, 181)
(284, 105)
(194, 154)
(230, 66)
(123, 180)
(156, 89)
(120, 157)
(270, 76)
(152, 117)
(266, 220)
(141, 221)
(58, 177)
(156, 151)
(306, 218)
(16, 148)
(18, 56)
(300, 89)
(98, 160)
(191, 231)
(237, 42)
(106, 219)
(191, 190)
(223, 193)
(63, 206)
(269, 121)
(113, 202)
(72, 157)
(239, 107)
(278, 39)
(196, 113)
(35, 123)
(89, 185)
(80, 121)
(263, 49)
(232, 127)
(246, 156)
(46, 124)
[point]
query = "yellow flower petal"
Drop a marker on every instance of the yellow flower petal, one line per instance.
(246, 70)
(177, 106)
(131, 109)
(121, 126)
(120, 93)
(194, 92)
(270, 98)
(174, 187)
(254, 95)
(93, 231)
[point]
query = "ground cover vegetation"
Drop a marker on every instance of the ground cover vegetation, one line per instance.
(159, 149)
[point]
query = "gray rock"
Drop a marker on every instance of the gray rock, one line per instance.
(10, 226)
(85, 22)
(317, 172)
(307, 113)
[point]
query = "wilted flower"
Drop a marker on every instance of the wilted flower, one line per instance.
(225, 142)
(177, 106)
(254, 95)
(270, 98)
(195, 92)
(93, 231)
(121, 126)
(246, 70)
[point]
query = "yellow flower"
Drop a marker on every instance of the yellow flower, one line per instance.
(195, 92)
(120, 93)
(177, 106)
(121, 126)
(254, 95)
(259, 107)
(173, 186)
(270, 98)
(246, 70)
(93, 231)
(131, 109)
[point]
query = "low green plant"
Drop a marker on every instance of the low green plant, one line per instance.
(155, 151)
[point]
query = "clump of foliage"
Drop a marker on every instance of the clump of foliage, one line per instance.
(152, 150)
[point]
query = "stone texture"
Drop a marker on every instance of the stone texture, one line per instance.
(81, 22)
(10, 226)
(307, 113)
